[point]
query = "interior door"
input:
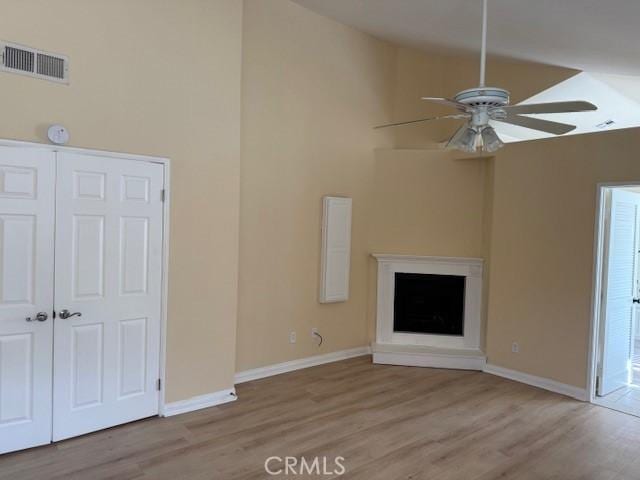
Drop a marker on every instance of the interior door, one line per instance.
(108, 292)
(27, 178)
(619, 289)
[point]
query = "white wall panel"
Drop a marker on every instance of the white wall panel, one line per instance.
(336, 249)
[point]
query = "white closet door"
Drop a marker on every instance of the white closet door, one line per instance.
(108, 269)
(27, 178)
(615, 361)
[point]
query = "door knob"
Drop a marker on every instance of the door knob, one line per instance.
(40, 317)
(636, 300)
(64, 314)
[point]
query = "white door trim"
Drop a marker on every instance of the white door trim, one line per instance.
(596, 304)
(166, 163)
(166, 215)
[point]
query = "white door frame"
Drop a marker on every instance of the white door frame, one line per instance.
(596, 297)
(165, 162)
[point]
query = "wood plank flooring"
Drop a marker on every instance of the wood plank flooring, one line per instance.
(387, 422)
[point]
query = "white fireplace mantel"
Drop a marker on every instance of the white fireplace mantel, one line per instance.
(417, 349)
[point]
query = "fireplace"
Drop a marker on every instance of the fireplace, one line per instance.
(429, 311)
(429, 304)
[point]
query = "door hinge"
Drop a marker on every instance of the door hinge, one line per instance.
(159, 384)
(162, 195)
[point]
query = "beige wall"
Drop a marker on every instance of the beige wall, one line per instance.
(417, 75)
(427, 202)
(312, 90)
(154, 77)
(542, 238)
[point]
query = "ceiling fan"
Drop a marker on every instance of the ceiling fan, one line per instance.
(481, 104)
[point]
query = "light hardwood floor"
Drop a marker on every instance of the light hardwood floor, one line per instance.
(387, 422)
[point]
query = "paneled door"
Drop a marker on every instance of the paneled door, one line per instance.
(108, 271)
(620, 285)
(27, 180)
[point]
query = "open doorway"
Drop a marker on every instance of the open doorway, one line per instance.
(614, 374)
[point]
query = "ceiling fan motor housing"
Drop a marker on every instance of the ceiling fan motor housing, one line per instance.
(489, 97)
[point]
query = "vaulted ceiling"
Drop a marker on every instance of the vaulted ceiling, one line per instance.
(592, 35)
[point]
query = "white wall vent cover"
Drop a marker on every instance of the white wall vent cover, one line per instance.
(336, 249)
(34, 63)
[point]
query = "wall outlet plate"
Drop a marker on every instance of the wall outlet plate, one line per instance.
(515, 347)
(292, 337)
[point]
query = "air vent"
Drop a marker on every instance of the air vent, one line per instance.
(50, 66)
(34, 63)
(606, 124)
(18, 59)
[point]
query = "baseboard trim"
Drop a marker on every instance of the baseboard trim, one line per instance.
(430, 360)
(540, 382)
(278, 368)
(201, 401)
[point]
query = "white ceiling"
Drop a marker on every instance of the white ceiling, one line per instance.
(592, 35)
(615, 109)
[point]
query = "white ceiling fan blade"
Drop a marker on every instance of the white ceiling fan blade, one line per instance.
(444, 117)
(447, 102)
(551, 107)
(556, 128)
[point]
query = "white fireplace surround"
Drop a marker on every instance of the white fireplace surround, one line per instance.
(442, 351)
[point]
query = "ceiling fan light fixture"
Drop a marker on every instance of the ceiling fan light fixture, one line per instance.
(465, 139)
(490, 140)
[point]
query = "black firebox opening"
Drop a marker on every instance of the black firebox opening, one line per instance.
(430, 304)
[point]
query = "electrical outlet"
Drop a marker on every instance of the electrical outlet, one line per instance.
(292, 337)
(314, 331)
(515, 347)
